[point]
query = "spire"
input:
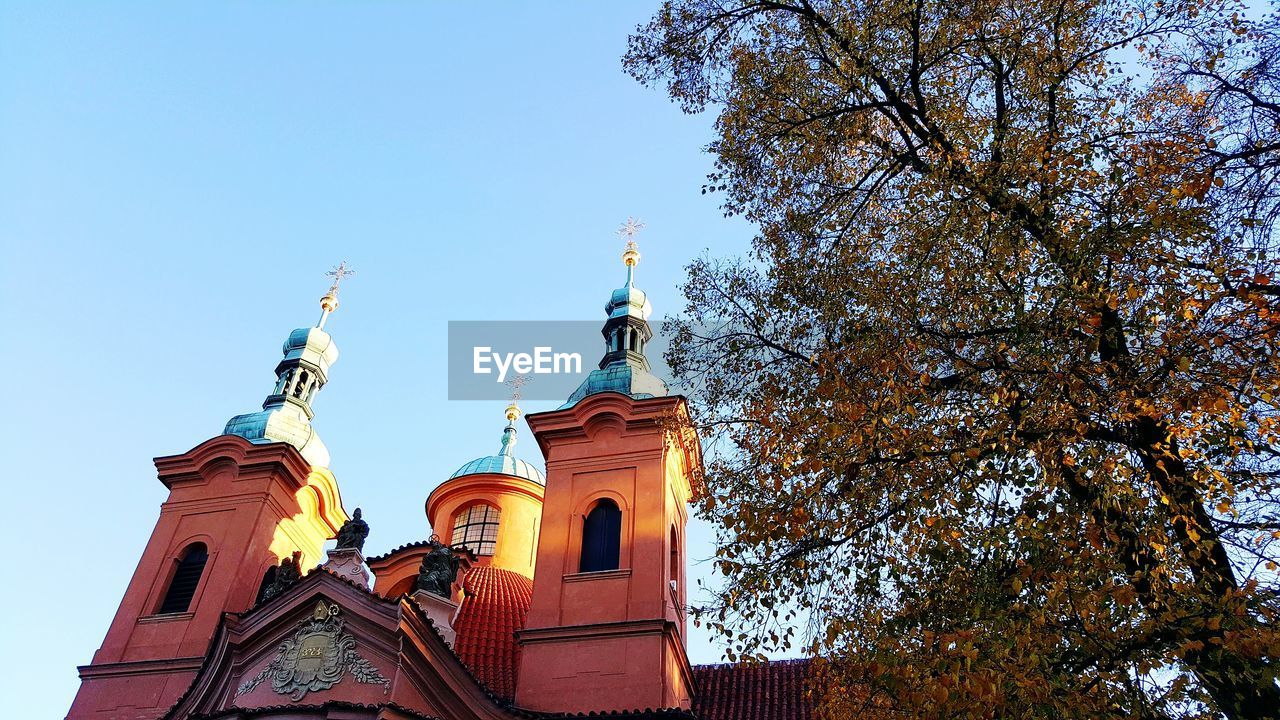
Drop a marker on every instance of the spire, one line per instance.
(624, 368)
(630, 256)
(286, 413)
(513, 414)
(509, 432)
(505, 462)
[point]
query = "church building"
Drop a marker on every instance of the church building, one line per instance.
(534, 595)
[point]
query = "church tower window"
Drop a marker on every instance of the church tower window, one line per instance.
(476, 527)
(601, 535)
(675, 560)
(186, 578)
(300, 387)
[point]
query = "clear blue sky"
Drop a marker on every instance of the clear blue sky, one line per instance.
(176, 177)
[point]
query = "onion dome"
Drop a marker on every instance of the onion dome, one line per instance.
(505, 462)
(286, 413)
(628, 301)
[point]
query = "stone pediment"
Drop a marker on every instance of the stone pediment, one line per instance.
(327, 643)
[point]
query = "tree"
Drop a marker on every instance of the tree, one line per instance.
(994, 399)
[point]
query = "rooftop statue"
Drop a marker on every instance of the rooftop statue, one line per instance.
(438, 570)
(353, 532)
(287, 574)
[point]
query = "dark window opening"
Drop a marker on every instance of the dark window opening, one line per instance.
(675, 560)
(301, 386)
(182, 588)
(601, 537)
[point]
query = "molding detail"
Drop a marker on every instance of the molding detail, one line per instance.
(598, 575)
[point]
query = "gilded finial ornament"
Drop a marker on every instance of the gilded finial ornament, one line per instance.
(628, 230)
(329, 302)
(513, 410)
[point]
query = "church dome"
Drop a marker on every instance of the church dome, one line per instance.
(629, 300)
(501, 465)
(505, 462)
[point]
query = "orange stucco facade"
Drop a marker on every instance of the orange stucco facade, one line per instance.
(507, 622)
(249, 505)
(518, 500)
(614, 639)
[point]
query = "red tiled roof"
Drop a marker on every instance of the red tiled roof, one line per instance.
(769, 691)
(493, 609)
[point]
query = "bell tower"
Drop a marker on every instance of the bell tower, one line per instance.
(238, 504)
(606, 626)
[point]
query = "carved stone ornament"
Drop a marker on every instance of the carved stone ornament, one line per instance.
(316, 658)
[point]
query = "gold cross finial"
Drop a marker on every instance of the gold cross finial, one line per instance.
(329, 302)
(338, 272)
(515, 383)
(628, 230)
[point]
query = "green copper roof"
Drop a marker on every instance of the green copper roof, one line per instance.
(504, 463)
(629, 300)
(286, 413)
(281, 424)
(619, 377)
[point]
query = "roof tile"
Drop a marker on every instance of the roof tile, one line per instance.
(768, 691)
(494, 608)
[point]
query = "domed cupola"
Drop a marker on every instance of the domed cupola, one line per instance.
(505, 462)
(492, 506)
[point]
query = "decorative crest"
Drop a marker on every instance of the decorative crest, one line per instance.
(316, 658)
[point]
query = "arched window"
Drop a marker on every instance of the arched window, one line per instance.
(601, 534)
(185, 579)
(268, 578)
(675, 560)
(477, 528)
(300, 387)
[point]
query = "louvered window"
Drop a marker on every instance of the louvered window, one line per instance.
(186, 578)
